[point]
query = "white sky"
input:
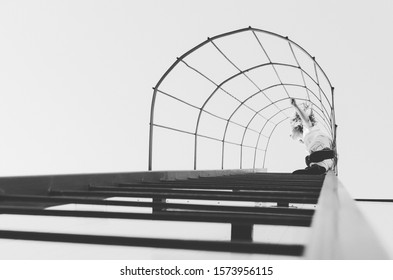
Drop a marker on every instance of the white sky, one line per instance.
(76, 78)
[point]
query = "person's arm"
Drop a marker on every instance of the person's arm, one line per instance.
(306, 121)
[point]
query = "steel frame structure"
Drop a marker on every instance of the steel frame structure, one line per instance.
(323, 108)
(338, 230)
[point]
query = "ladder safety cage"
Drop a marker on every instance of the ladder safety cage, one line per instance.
(234, 89)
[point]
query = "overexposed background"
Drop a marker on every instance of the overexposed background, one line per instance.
(76, 79)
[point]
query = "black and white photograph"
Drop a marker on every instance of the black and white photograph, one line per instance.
(195, 139)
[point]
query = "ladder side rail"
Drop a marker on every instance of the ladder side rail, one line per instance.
(339, 229)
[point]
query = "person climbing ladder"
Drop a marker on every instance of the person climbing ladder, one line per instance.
(306, 130)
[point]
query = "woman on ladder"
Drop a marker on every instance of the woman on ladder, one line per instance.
(318, 144)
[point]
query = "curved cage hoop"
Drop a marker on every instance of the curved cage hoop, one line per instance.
(222, 100)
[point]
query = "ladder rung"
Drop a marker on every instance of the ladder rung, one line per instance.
(220, 246)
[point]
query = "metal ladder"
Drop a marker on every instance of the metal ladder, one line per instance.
(279, 190)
